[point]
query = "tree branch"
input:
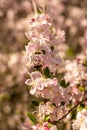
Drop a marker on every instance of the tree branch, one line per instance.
(72, 109)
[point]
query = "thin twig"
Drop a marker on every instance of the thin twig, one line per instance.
(72, 109)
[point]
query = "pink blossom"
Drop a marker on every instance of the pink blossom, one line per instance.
(36, 82)
(81, 120)
(44, 126)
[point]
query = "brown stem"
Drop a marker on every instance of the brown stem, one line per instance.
(72, 109)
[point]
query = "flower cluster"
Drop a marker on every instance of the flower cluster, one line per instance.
(44, 62)
(42, 50)
(81, 120)
(44, 126)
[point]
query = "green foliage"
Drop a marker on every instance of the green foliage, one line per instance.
(52, 48)
(53, 105)
(43, 51)
(35, 103)
(73, 114)
(47, 72)
(32, 118)
(64, 84)
(62, 103)
(46, 118)
(81, 88)
(70, 53)
(85, 64)
(38, 52)
(81, 106)
(49, 125)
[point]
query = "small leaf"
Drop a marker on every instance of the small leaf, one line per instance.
(55, 122)
(85, 64)
(64, 84)
(67, 84)
(51, 29)
(70, 53)
(62, 103)
(52, 48)
(37, 52)
(43, 51)
(40, 10)
(53, 105)
(73, 114)
(86, 107)
(35, 103)
(47, 72)
(46, 118)
(32, 118)
(37, 67)
(49, 125)
(81, 88)
(82, 105)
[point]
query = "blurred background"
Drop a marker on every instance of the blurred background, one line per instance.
(69, 15)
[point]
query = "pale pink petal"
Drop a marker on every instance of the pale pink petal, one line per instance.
(28, 82)
(40, 86)
(35, 75)
(32, 90)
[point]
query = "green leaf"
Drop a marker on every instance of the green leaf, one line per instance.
(62, 103)
(81, 88)
(86, 107)
(52, 48)
(70, 53)
(40, 10)
(43, 51)
(37, 52)
(73, 114)
(81, 106)
(55, 122)
(85, 64)
(35, 103)
(47, 72)
(64, 84)
(49, 125)
(67, 84)
(51, 29)
(46, 118)
(53, 105)
(32, 118)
